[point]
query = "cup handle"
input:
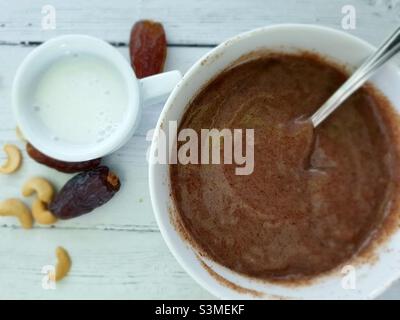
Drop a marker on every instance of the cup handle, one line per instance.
(156, 88)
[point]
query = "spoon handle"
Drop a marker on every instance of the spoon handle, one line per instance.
(386, 51)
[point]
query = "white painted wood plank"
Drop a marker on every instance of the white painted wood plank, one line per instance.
(190, 21)
(106, 265)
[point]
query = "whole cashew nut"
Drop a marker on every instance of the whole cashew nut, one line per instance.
(63, 263)
(15, 207)
(41, 214)
(14, 159)
(41, 186)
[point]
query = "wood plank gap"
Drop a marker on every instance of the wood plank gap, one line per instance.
(118, 228)
(114, 44)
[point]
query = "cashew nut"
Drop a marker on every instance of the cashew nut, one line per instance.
(14, 159)
(41, 186)
(41, 214)
(15, 207)
(63, 263)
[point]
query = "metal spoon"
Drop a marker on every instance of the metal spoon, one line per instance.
(386, 51)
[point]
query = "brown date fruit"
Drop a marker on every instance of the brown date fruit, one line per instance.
(85, 192)
(147, 48)
(63, 166)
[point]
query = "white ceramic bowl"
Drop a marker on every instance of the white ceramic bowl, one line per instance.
(371, 278)
(139, 92)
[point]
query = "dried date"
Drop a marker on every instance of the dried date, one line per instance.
(85, 192)
(63, 166)
(147, 48)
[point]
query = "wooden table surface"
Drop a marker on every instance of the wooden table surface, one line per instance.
(118, 252)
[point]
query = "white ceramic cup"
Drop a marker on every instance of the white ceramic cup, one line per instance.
(371, 278)
(140, 92)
